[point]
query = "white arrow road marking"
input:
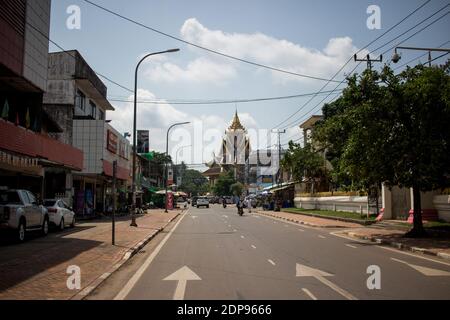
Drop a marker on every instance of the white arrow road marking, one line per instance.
(305, 271)
(138, 274)
(429, 272)
(309, 294)
(183, 275)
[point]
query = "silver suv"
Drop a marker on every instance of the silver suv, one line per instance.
(21, 212)
(202, 202)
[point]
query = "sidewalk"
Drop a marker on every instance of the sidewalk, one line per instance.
(383, 233)
(37, 268)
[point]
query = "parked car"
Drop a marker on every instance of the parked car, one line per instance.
(60, 214)
(202, 202)
(20, 212)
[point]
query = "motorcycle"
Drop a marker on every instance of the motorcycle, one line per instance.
(240, 209)
(224, 205)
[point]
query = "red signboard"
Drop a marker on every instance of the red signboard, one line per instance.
(170, 201)
(111, 144)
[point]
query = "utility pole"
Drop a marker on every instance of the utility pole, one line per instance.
(114, 203)
(279, 175)
(369, 60)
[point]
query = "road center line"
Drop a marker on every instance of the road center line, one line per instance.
(253, 247)
(271, 262)
(322, 237)
(309, 294)
(242, 237)
(350, 246)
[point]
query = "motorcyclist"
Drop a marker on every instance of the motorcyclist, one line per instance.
(224, 202)
(239, 205)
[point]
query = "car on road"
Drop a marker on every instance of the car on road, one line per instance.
(21, 212)
(202, 202)
(60, 214)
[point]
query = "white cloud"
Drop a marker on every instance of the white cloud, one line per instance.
(257, 47)
(274, 52)
(200, 70)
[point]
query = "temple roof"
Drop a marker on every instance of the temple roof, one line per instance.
(236, 124)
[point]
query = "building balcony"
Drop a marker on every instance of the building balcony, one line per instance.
(26, 142)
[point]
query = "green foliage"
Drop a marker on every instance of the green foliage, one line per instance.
(237, 189)
(223, 184)
(392, 129)
(303, 162)
(194, 183)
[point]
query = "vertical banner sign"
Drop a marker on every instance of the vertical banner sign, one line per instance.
(169, 176)
(169, 201)
(143, 141)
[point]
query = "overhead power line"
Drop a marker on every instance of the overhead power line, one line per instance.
(419, 57)
(205, 48)
(209, 102)
(351, 58)
(417, 32)
(71, 55)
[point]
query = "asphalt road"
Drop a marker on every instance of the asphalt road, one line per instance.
(216, 254)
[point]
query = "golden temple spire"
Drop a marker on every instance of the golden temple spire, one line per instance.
(236, 124)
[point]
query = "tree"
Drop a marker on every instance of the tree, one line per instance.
(393, 129)
(223, 184)
(237, 189)
(304, 163)
(193, 182)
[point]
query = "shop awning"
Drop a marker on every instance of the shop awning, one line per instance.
(279, 187)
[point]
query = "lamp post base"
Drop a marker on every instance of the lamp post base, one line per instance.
(133, 218)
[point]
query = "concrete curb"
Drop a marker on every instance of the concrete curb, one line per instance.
(297, 221)
(363, 223)
(399, 245)
(127, 256)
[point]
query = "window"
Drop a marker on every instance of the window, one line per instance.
(32, 198)
(80, 100)
(101, 115)
(93, 110)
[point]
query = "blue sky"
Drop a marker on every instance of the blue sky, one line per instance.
(293, 35)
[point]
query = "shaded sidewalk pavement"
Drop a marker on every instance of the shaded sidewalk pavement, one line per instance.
(386, 233)
(37, 269)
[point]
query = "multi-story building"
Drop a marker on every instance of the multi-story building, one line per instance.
(29, 157)
(77, 99)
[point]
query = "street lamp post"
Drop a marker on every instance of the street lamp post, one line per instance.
(176, 158)
(167, 154)
(133, 190)
(178, 150)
